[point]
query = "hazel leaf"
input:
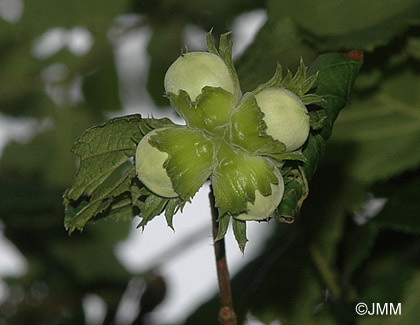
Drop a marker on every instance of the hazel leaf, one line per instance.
(106, 184)
(336, 75)
(79, 212)
(102, 149)
(152, 207)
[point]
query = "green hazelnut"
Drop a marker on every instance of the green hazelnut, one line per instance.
(285, 115)
(264, 206)
(149, 167)
(193, 71)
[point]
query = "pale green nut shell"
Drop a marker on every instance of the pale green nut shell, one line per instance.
(285, 115)
(149, 167)
(264, 206)
(193, 71)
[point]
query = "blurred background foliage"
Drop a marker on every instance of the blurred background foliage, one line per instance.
(357, 238)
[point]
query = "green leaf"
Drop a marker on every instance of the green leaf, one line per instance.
(248, 130)
(149, 124)
(237, 177)
(316, 119)
(25, 94)
(295, 192)
(350, 24)
(163, 49)
(79, 212)
(104, 186)
(239, 230)
(336, 74)
(413, 47)
(357, 245)
(410, 312)
(173, 206)
(91, 255)
(102, 149)
(48, 149)
(384, 129)
(223, 222)
(401, 211)
(152, 207)
(190, 160)
(279, 40)
(102, 80)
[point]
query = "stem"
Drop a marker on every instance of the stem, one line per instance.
(227, 314)
(325, 271)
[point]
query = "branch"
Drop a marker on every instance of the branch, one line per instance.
(227, 314)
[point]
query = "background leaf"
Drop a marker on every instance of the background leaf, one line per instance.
(384, 126)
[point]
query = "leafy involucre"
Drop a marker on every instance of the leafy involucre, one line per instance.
(190, 160)
(210, 111)
(248, 129)
(225, 52)
(236, 178)
(239, 230)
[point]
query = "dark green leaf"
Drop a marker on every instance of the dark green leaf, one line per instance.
(336, 74)
(351, 24)
(102, 149)
(295, 192)
(79, 212)
(239, 230)
(382, 127)
(316, 119)
(358, 243)
(401, 211)
(171, 209)
(152, 207)
(279, 40)
(223, 223)
(163, 49)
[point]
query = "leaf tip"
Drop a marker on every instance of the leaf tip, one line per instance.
(355, 55)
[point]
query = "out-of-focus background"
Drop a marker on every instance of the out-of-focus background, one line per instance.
(67, 65)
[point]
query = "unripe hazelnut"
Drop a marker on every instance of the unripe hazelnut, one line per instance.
(285, 115)
(264, 206)
(193, 71)
(149, 167)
